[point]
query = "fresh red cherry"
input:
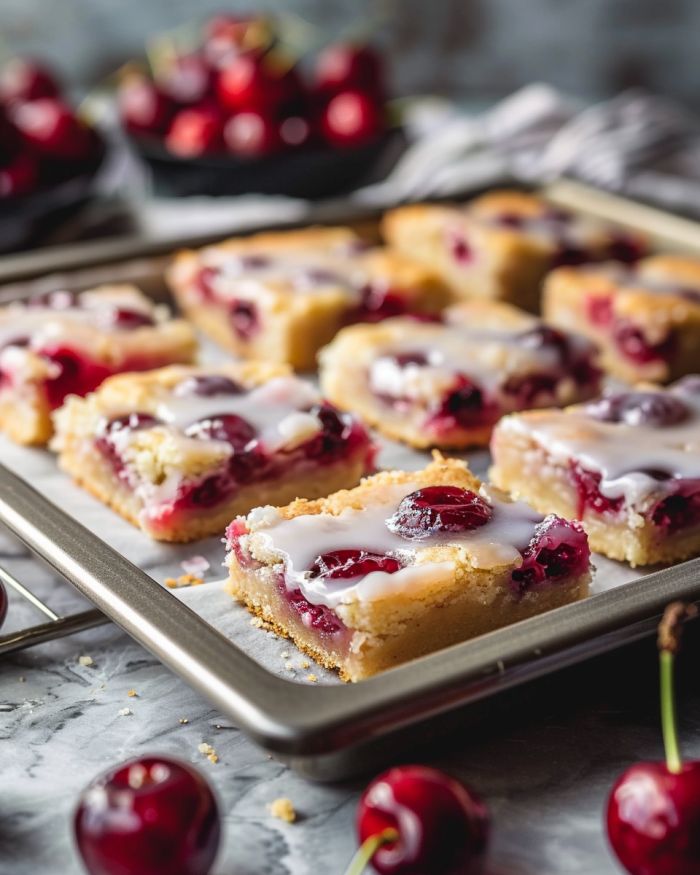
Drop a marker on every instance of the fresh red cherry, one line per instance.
(3, 603)
(344, 66)
(152, 816)
(351, 118)
(252, 134)
(22, 80)
(226, 36)
(653, 814)
(294, 131)
(195, 131)
(187, 80)
(414, 820)
(257, 82)
(435, 509)
(127, 320)
(143, 108)
(19, 176)
(52, 129)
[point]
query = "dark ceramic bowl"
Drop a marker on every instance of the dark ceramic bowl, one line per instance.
(314, 172)
(26, 219)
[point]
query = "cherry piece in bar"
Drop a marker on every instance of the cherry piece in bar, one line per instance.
(434, 509)
(414, 820)
(150, 816)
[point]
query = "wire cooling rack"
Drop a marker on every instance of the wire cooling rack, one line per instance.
(54, 627)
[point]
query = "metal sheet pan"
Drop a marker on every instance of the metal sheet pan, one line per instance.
(336, 730)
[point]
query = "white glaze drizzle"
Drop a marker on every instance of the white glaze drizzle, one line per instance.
(274, 409)
(299, 541)
(488, 356)
(303, 271)
(617, 451)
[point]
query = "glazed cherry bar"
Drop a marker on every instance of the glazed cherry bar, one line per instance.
(281, 296)
(646, 321)
(502, 245)
(627, 465)
(404, 564)
(179, 451)
(445, 385)
(62, 344)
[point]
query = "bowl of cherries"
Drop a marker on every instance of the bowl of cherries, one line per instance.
(233, 113)
(49, 155)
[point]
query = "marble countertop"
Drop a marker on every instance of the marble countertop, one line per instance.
(544, 764)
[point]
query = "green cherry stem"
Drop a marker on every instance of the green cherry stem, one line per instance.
(369, 848)
(669, 643)
(668, 713)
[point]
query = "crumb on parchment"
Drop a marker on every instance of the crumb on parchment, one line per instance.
(183, 580)
(86, 660)
(208, 752)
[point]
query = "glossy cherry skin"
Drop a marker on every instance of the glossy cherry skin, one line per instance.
(143, 108)
(19, 176)
(351, 118)
(257, 82)
(153, 816)
(435, 509)
(443, 827)
(3, 604)
(52, 130)
(22, 80)
(226, 36)
(195, 131)
(187, 81)
(344, 66)
(653, 819)
(252, 134)
(654, 409)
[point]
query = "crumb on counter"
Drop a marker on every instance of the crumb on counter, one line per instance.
(283, 809)
(305, 663)
(311, 678)
(183, 720)
(183, 580)
(289, 667)
(208, 752)
(86, 660)
(131, 693)
(284, 654)
(125, 712)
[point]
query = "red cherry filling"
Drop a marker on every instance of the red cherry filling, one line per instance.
(434, 509)
(127, 320)
(346, 564)
(441, 827)
(626, 249)
(77, 374)
(208, 385)
(558, 549)
(459, 248)
(587, 484)
(244, 318)
(626, 337)
(633, 345)
(317, 617)
(681, 510)
(570, 255)
(463, 407)
(379, 302)
(655, 409)
(223, 427)
(153, 816)
(204, 283)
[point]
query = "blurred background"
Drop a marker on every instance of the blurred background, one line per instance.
(450, 97)
(472, 49)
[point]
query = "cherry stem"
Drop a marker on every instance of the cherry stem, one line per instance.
(369, 848)
(669, 643)
(668, 713)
